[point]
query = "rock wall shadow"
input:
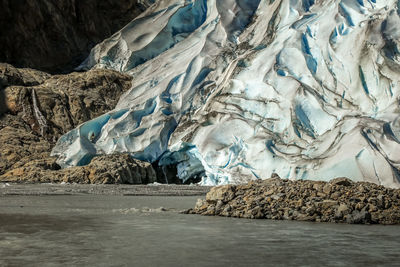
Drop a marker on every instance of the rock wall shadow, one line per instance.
(68, 30)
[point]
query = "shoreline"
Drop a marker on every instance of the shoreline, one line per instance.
(46, 189)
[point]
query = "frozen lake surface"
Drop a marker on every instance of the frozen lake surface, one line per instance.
(109, 230)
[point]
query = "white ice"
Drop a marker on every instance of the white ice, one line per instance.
(235, 90)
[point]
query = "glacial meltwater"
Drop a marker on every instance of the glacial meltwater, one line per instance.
(98, 230)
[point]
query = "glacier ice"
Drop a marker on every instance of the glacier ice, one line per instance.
(234, 90)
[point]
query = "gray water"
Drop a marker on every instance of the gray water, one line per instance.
(133, 231)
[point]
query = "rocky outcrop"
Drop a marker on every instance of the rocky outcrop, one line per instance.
(108, 169)
(55, 36)
(42, 107)
(62, 102)
(9, 75)
(19, 145)
(339, 200)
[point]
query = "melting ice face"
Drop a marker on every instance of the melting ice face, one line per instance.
(236, 90)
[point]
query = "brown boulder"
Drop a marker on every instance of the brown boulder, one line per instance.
(224, 193)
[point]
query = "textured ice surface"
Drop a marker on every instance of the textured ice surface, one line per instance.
(237, 90)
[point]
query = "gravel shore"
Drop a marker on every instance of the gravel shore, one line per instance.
(339, 200)
(102, 189)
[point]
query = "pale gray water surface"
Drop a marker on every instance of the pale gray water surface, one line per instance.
(98, 230)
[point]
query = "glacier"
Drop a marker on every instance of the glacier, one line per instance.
(236, 90)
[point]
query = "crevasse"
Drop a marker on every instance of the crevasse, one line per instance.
(237, 90)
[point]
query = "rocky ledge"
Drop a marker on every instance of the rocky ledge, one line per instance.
(340, 201)
(104, 169)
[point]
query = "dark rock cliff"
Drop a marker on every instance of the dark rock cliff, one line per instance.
(56, 35)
